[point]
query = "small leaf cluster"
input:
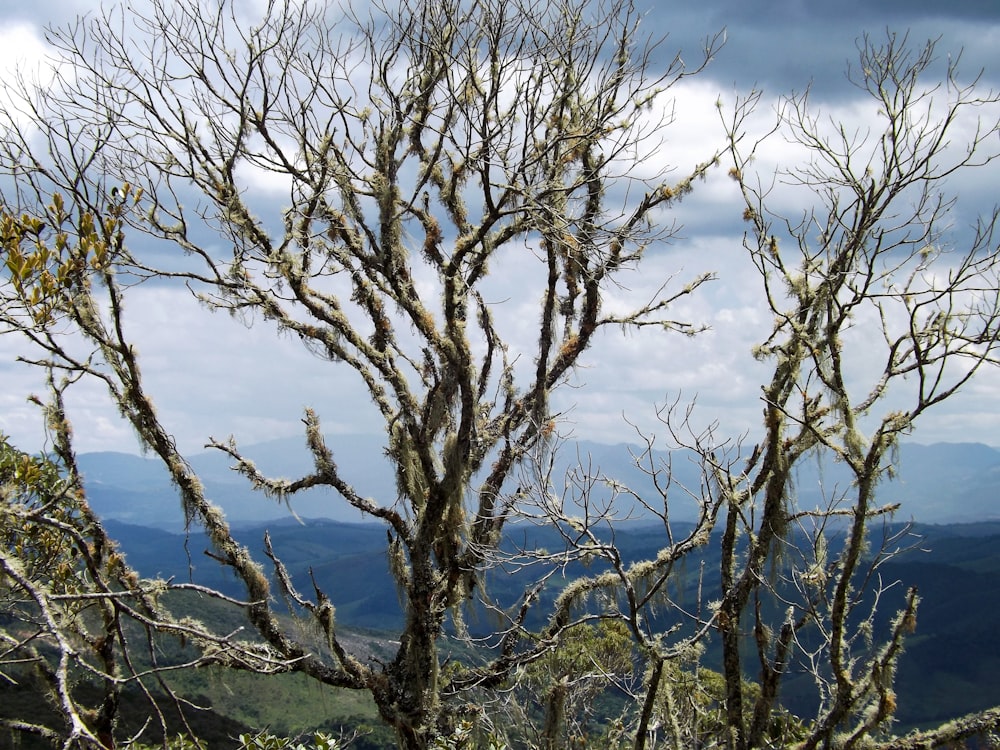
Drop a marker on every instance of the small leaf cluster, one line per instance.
(32, 486)
(46, 258)
(465, 737)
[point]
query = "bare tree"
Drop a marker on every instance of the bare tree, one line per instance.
(867, 279)
(866, 275)
(882, 311)
(417, 143)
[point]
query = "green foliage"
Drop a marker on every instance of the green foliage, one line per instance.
(256, 741)
(47, 261)
(560, 697)
(267, 741)
(37, 505)
(604, 648)
(179, 742)
(692, 709)
(465, 737)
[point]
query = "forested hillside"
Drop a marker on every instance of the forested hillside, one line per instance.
(946, 671)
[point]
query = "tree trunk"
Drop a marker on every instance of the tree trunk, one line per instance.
(409, 700)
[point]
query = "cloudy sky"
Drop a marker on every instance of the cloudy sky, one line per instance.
(211, 376)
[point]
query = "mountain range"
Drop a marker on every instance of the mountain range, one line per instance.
(940, 483)
(948, 668)
(951, 490)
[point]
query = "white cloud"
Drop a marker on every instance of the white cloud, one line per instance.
(21, 45)
(22, 57)
(210, 375)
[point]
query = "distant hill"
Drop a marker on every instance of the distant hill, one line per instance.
(952, 490)
(950, 663)
(941, 483)
(947, 670)
(138, 490)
